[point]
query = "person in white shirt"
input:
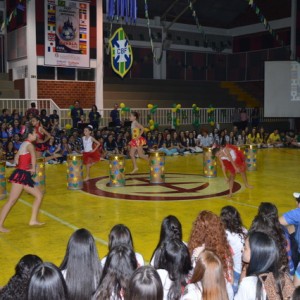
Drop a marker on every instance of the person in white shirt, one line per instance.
(120, 234)
(264, 280)
(173, 268)
(145, 283)
(205, 140)
(236, 234)
(208, 280)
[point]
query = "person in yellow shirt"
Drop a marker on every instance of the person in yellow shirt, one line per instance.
(254, 137)
(274, 139)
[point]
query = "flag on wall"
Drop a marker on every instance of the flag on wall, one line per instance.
(121, 52)
(67, 39)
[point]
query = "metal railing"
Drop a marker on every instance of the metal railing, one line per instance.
(163, 116)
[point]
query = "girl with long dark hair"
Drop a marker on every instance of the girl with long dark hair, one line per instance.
(236, 234)
(118, 269)
(120, 234)
(173, 268)
(81, 266)
(47, 283)
(145, 284)
(264, 279)
(170, 229)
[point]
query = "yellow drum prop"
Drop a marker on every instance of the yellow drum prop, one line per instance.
(251, 157)
(40, 175)
(75, 172)
(209, 163)
(157, 167)
(117, 171)
(3, 191)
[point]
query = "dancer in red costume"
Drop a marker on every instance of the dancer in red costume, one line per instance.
(43, 136)
(232, 161)
(137, 142)
(21, 179)
(91, 154)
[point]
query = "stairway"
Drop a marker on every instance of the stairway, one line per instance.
(7, 90)
(240, 94)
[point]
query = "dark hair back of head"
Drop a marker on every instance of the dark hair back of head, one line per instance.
(232, 221)
(120, 234)
(26, 264)
(135, 114)
(175, 258)
(264, 254)
(82, 265)
(170, 229)
(47, 283)
(268, 210)
(145, 284)
(28, 130)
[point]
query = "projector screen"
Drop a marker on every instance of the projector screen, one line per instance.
(282, 89)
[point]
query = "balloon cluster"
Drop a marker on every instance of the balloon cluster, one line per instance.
(151, 123)
(196, 109)
(70, 109)
(68, 126)
(124, 108)
(211, 115)
(176, 108)
(153, 108)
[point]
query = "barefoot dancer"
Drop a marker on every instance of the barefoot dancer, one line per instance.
(90, 154)
(21, 179)
(137, 142)
(233, 161)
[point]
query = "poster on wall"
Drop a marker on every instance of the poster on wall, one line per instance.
(67, 34)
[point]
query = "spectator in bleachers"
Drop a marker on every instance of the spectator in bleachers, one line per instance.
(16, 126)
(44, 119)
(168, 147)
(32, 111)
(232, 139)
(10, 153)
(110, 146)
(244, 119)
(94, 117)
(222, 138)
(192, 144)
(76, 114)
(47, 283)
(81, 266)
(5, 117)
(4, 134)
(145, 284)
(205, 139)
(54, 116)
(115, 116)
(17, 141)
(176, 143)
(17, 286)
(274, 139)
(255, 117)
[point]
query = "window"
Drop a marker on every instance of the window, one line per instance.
(45, 72)
(65, 74)
(86, 74)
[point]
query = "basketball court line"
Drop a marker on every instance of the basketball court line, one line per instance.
(61, 221)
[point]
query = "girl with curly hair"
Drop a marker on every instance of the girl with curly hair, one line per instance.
(208, 230)
(236, 234)
(18, 285)
(267, 221)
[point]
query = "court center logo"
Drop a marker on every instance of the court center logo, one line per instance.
(177, 187)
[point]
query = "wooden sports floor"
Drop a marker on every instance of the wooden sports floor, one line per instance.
(139, 205)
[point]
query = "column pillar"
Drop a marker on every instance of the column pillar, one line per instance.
(99, 63)
(31, 79)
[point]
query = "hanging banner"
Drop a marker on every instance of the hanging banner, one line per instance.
(67, 33)
(121, 53)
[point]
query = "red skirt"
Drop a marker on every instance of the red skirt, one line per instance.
(41, 147)
(21, 177)
(141, 141)
(91, 157)
(239, 161)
